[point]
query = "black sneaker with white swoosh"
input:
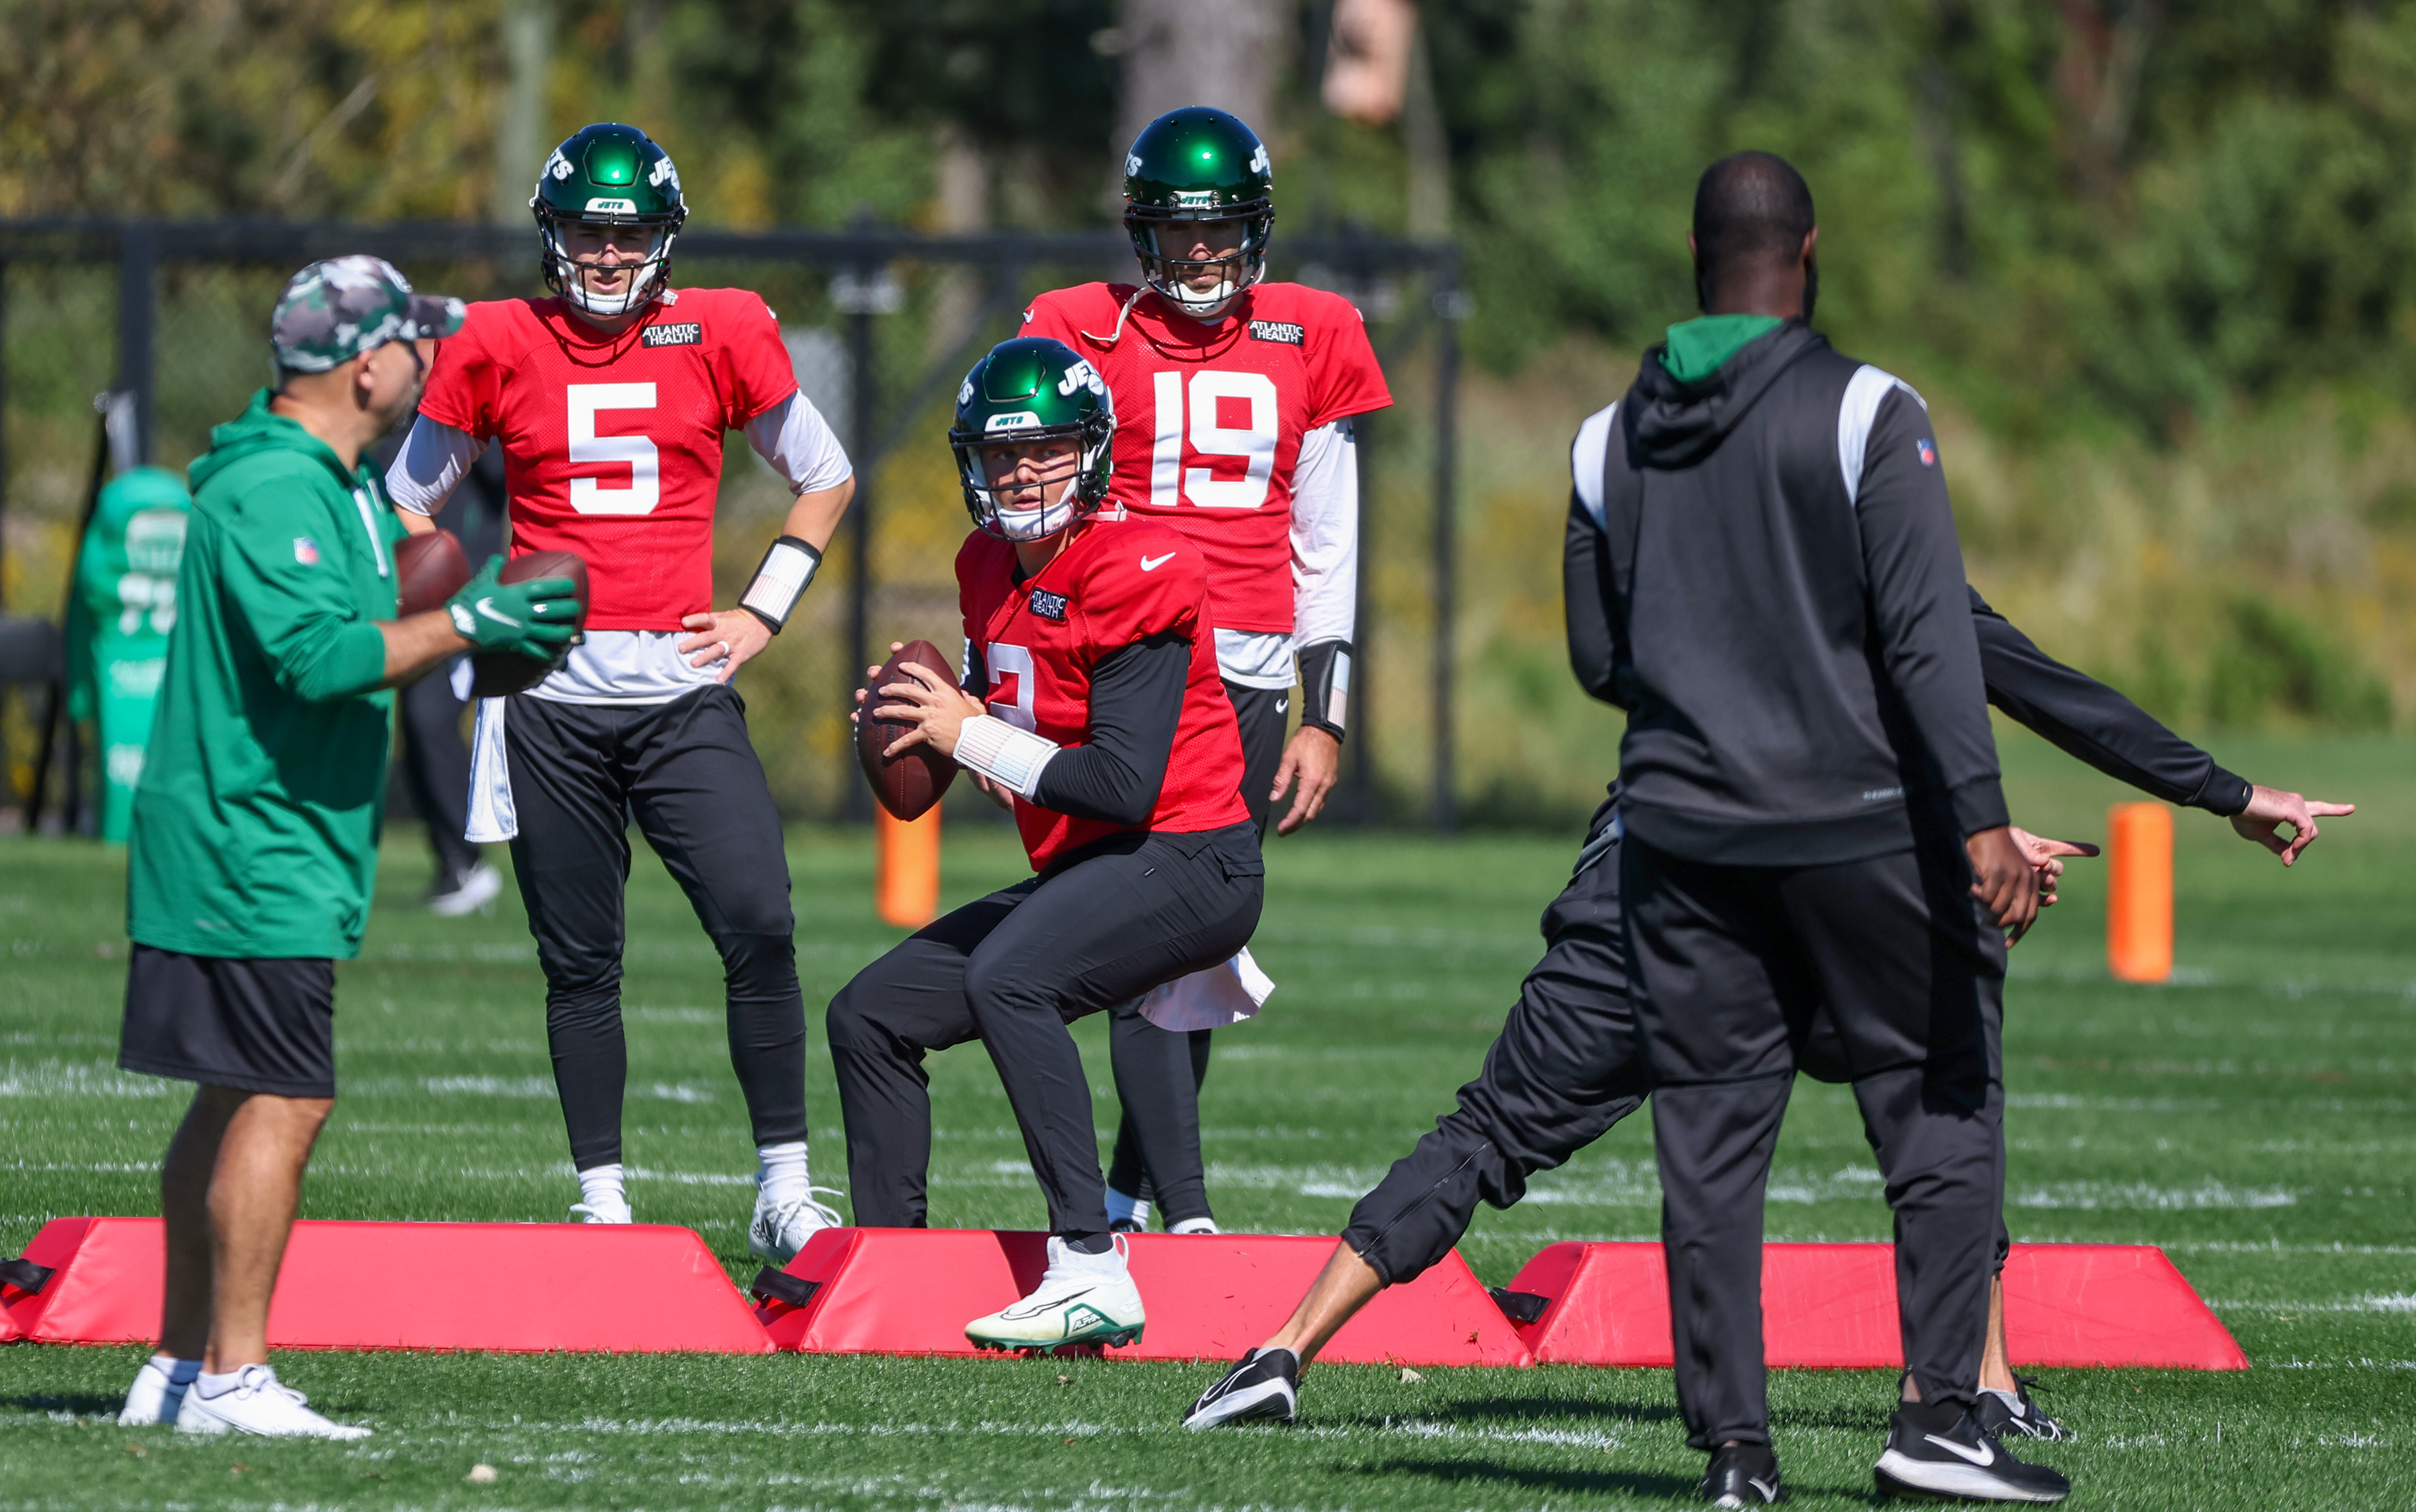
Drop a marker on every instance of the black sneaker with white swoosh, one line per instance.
(1941, 1451)
(1743, 1474)
(1265, 1382)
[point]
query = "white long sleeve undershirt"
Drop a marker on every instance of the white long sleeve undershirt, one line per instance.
(624, 666)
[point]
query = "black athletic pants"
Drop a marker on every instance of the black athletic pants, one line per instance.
(1731, 965)
(1100, 926)
(436, 769)
(685, 771)
(1159, 1071)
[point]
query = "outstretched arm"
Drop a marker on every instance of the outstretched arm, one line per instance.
(2092, 722)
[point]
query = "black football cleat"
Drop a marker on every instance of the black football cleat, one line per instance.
(1999, 1415)
(1939, 1451)
(1742, 1475)
(1265, 1382)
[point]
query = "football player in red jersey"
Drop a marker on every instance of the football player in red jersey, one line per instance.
(611, 400)
(1236, 397)
(1099, 709)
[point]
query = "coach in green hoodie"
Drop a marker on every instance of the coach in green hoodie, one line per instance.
(254, 840)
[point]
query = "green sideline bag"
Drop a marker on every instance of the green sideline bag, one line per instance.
(118, 620)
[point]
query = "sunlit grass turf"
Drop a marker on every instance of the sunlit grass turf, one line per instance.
(2255, 1118)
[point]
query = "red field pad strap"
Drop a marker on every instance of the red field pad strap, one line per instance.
(1835, 1306)
(1209, 1297)
(508, 1287)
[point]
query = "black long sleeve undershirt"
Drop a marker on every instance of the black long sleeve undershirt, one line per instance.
(2079, 715)
(1136, 704)
(2089, 720)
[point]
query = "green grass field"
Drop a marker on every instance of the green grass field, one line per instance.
(2257, 1118)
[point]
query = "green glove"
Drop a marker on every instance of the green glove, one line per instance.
(534, 619)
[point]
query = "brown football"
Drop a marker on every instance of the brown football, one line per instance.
(909, 783)
(428, 569)
(503, 672)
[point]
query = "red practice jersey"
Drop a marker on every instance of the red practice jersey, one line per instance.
(1116, 582)
(1209, 418)
(612, 446)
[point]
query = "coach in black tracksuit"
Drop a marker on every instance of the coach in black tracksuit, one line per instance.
(1811, 804)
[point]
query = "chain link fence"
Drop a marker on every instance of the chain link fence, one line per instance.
(879, 325)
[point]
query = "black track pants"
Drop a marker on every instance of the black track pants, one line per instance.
(1731, 964)
(1099, 927)
(687, 773)
(1158, 1072)
(436, 768)
(1566, 1067)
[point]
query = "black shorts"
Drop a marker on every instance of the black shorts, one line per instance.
(253, 1026)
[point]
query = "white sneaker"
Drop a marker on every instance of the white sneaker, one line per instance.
(779, 1230)
(158, 1392)
(258, 1404)
(466, 892)
(1081, 1299)
(601, 1213)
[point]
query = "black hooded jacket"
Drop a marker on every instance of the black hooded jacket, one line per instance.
(2079, 715)
(1788, 625)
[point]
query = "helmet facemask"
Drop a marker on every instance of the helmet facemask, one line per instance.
(1066, 491)
(648, 276)
(1164, 241)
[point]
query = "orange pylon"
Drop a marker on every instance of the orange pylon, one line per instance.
(906, 880)
(2140, 909)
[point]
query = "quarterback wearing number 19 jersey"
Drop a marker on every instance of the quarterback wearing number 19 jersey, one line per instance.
(1210, 424)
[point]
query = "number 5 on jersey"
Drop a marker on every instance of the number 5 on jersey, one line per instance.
(1230, 415)
(590, 496)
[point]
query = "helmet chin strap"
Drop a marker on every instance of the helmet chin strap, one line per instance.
(1036, 525)
(646, 280)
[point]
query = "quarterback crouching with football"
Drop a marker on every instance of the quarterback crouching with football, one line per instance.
(1106, 719)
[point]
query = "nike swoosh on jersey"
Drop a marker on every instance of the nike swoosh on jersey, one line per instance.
(487, 607)
(1981, 1456)
(1151, 564)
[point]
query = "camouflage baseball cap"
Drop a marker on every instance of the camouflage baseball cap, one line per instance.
(333, 312)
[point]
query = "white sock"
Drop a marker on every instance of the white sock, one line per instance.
(1195, 1226)
(213, 1384)
(780, 1174)
(1123, 1208)
(599, 1187)
(179, 1372)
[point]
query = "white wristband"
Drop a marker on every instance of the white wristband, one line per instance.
(780, 582)
(1008, 756)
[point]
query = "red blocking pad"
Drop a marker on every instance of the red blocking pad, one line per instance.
(1209, 1297)
(1835, 1306)
(2110, 1305)
(519, 1287)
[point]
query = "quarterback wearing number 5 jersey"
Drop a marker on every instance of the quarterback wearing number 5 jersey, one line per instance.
(1234, 400)
(611, 401)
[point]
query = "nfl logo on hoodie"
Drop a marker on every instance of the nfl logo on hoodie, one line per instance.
(1928, 453)
(306, 551)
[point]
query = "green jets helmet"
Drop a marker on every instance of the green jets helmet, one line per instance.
(1188, 166)
(611, 176)
(1033, 389)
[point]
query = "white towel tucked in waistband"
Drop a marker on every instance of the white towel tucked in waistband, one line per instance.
(491, 815)
(1221, 995)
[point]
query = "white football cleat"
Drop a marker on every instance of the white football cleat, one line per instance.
(259, 1405)
(600, 1213)
(465, 892)
(1081, 1299)
(158, 1392)
(779, 1230)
